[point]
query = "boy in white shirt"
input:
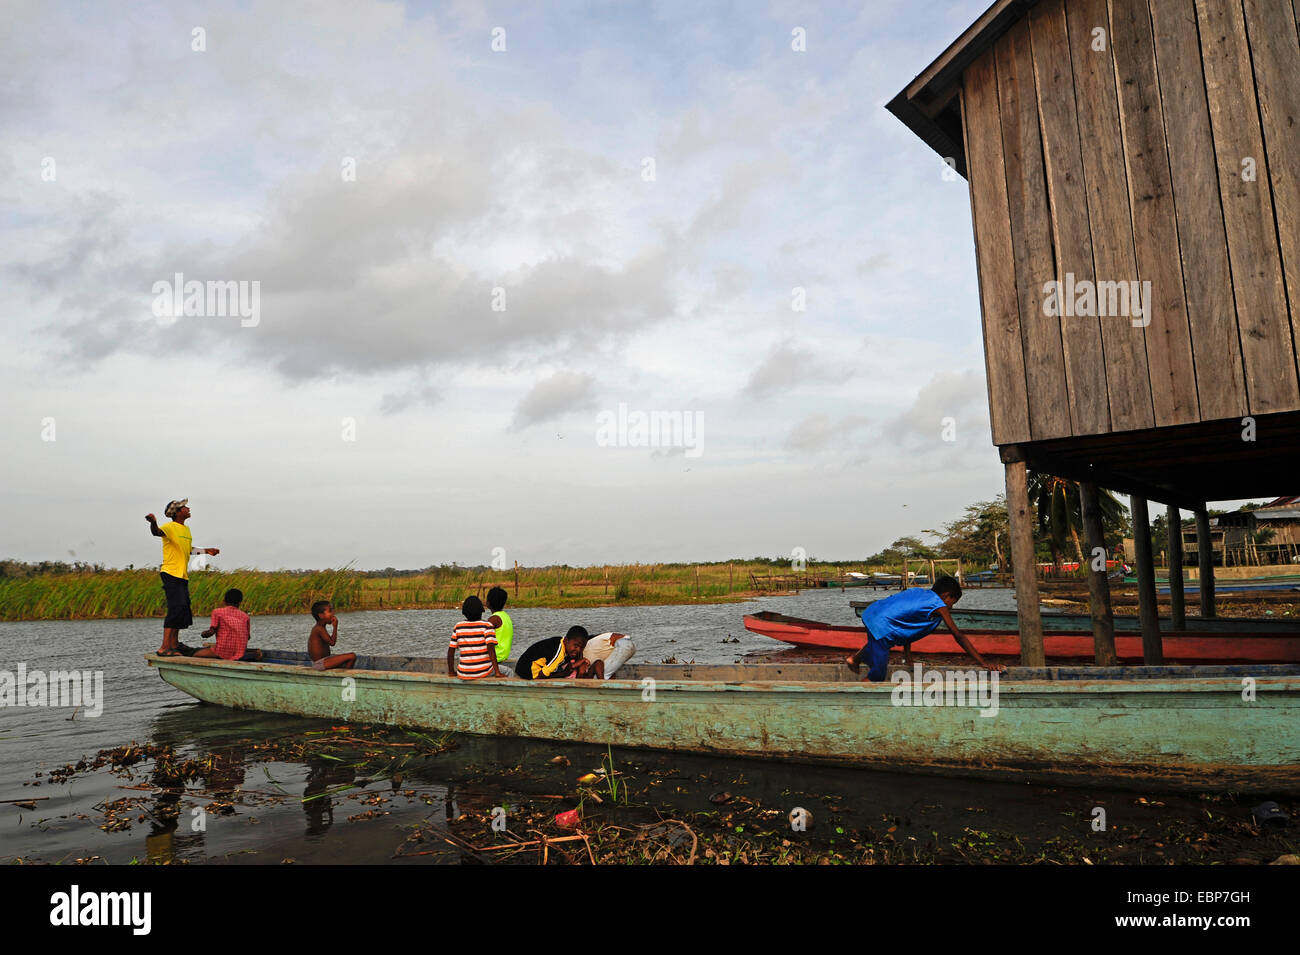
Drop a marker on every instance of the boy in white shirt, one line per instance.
(604, 654)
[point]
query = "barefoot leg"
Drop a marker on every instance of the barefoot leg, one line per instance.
(340, 661)
(170, 639)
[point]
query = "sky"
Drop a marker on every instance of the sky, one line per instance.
(482, 248)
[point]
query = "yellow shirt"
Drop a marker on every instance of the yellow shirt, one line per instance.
(177, 544)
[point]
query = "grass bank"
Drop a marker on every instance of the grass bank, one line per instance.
(112, 594)
(117, 594)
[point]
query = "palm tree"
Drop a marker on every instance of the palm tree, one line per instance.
(1060, 512)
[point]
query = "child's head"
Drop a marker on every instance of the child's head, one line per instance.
(574, 641)
(321, 608)
(948, 589)
(496, 599)
(472, 608)
(234, 597)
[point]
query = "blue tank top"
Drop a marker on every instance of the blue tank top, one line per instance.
(904, 617)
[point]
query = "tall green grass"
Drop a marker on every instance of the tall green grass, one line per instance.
(138, 593)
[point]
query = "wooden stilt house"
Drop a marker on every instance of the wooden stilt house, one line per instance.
(1134, 173)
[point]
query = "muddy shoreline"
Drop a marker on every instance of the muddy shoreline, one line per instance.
(366, 794)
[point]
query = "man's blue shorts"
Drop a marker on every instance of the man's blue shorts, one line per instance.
(877, 656)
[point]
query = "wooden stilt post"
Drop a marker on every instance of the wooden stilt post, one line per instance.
(903, 584)
(1148, 612)
(1022, 557)
(1103, 619)
(1205, 560)
(1178, 616)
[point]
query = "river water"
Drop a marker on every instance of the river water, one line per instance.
(66, 823)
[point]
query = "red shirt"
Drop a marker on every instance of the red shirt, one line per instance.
(232, 626)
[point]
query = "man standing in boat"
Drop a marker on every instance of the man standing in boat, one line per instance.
(903, 619)
(177, 548)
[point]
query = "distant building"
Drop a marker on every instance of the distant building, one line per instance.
(1238, 534)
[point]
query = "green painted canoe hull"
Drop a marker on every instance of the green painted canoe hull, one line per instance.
(1165, 731)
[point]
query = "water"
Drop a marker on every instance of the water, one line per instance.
(477, 773)
(134, 696)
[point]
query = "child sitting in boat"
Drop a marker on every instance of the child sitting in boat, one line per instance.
(553, 658)
(903, 619)
(500, 622)
(231, 627)
(604, 654)
(321, 641)
(476, 642)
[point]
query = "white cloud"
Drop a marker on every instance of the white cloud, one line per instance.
(561, 394)
(476, 171)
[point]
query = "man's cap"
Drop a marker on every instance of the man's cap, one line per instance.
(175, 506)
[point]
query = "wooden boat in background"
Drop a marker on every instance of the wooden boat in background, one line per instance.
(1153, 727)
(1181, 647)
(1282, 585)
(1006, 620)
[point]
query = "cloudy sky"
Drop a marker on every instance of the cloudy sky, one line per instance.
(476, 270)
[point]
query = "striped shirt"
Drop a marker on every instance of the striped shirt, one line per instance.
(232, 626)
(476, 642)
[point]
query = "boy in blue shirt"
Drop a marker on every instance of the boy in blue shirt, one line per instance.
(903, 619)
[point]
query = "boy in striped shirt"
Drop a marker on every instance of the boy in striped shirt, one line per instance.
(476, 641)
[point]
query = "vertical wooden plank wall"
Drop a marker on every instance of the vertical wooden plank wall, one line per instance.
(1202, 243)
(1003, 357)
(1031, 236)
(1271, 383)
(1122, 162)
(1275, 55)
(1151, 201)
(1085, 362)
(1128, 383)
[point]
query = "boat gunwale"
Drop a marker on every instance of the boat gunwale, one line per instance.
(1142, 685)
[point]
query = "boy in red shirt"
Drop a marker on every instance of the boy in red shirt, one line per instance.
(231, 627)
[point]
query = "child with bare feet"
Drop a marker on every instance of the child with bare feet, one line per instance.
(321, 641)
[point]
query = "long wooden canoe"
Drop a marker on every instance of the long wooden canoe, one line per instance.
(995, 620)
(1155, 727)
(1182, 646)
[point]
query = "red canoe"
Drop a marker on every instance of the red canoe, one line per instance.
(1179, 646)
